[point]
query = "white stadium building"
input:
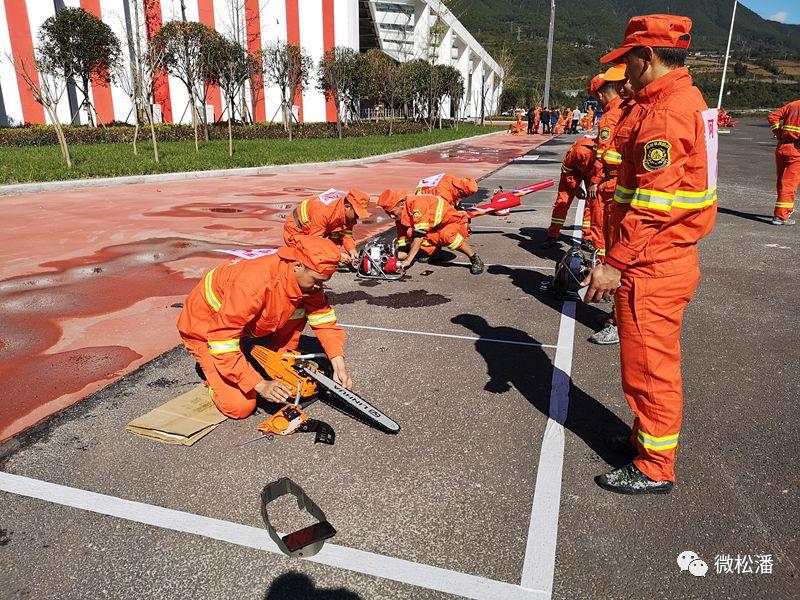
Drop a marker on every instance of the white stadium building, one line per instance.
(401, 28)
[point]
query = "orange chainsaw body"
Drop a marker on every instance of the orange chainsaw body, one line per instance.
(281, 366)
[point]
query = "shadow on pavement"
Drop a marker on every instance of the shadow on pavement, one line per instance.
(296, 586)
(745, 215)
(531, 374)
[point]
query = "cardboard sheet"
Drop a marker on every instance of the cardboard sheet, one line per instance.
(182, 420)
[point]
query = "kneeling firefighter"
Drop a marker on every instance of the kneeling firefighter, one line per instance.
(273, 295)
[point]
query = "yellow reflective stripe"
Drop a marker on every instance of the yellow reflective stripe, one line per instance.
(346, 232)
(695, 200)
(211, 297)
(587, 223)
(784, 205)
(599, 152)
(612, 157)
(791, 128)
(439, 210)
(321, 318)
(775, 126)
(424, 226)
(557, 220)
(298, 314)
(652, 199)
(601, 252)
(667, 442)
(304, 218)
(456, 244)
(565, 169)
(223, 346)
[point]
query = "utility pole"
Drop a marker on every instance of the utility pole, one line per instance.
(727, 52)
(549, 54)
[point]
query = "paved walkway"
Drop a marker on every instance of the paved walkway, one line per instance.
(90, 279)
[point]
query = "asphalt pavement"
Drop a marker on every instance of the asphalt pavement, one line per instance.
(455, 489)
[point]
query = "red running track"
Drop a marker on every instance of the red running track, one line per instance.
(88, 278)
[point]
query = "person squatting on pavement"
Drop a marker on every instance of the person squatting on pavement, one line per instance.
(331, 214)
(431, 223)
(785, 125)
(576, 168)
(665, 202)
(273, 295)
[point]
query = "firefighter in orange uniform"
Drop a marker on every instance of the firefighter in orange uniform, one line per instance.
(452, 189)
(273, 295)
(603, 87)
(575, 169)
(433, 224)
(785, 125)
(609, 160)
(331, 214)
(665, 202)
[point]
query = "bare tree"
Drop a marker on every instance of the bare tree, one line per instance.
(47, 89)
(289, 67)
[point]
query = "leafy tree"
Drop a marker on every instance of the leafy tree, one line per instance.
(77, 46)
(385, 79)
(232, 64)
(189, 50)
(453, 88)
(289, 67)
(338, 78)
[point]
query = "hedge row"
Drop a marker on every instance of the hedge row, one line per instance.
(41, 135)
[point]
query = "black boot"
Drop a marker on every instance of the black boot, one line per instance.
(477, 265)
(549, 243)
(587, 246)
(631, 481)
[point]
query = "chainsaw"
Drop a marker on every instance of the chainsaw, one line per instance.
(502, 202)
(308, 383)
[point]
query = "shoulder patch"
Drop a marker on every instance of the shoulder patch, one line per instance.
(417, 214)
(605, 133)
(656, 155)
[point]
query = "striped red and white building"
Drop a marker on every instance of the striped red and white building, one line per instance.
(398, 27)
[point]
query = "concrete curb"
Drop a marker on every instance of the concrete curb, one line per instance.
(75, 184)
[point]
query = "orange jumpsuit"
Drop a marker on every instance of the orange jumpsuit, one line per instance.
(249, 299)
(434, 219)
(576, 168)
(604, 173)
(448, 187)
(320, 216)
(785, 123)
(665, 202)
(536, 118)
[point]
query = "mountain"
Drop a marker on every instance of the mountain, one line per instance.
(586, 30)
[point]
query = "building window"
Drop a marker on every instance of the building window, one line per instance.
(395, 27)
(391, 7)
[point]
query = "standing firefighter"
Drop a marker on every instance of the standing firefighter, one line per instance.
(430, 223)
(273, 295)
(575, 170)
(331, 214)
(785, 125)
(665, 202)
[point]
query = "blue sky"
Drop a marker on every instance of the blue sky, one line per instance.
(785, 11)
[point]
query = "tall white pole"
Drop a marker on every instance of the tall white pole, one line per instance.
(549, 54)
(727, 53)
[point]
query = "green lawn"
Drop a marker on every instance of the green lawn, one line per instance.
(21, 165)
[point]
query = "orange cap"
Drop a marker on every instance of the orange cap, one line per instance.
(317, 253)
(657, 31)
(359, 201)
(390, 198)
(466, 187)
(595, 84)
(615, 73)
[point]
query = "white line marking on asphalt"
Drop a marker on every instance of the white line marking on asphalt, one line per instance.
(528, 267)
(538, 567)
(359, 561)
(448, 335)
